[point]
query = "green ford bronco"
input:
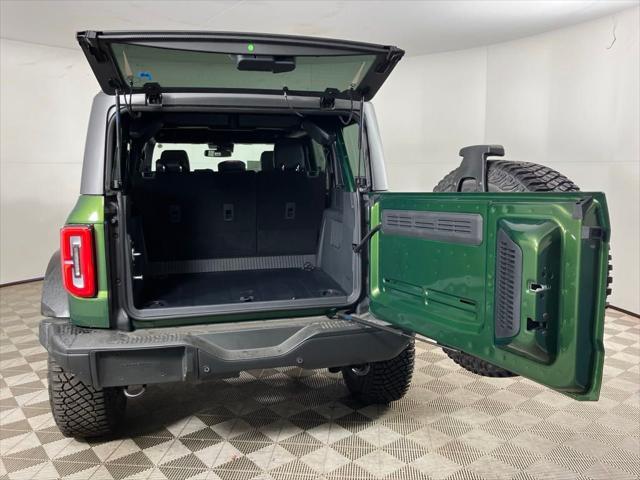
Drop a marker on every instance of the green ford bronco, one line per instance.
(234, 215)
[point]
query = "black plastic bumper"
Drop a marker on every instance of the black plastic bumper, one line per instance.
(107, 358)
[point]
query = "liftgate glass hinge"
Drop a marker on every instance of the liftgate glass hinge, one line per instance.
(152, 93)
(328, 99)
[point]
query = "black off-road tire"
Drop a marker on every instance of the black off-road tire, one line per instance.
(81, 410)
(477, 365)
(505, 176)
(382, 382)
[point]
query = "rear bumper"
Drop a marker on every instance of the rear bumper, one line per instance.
(106, 358)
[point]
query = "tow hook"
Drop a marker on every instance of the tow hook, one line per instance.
(134, 391)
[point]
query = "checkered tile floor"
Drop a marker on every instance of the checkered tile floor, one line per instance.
(291, 424)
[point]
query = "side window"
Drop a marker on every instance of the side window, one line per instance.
(350, 138)
(319, 161)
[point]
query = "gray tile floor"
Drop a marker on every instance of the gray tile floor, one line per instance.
(291, 424)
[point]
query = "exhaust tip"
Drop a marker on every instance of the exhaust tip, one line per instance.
(133, 391)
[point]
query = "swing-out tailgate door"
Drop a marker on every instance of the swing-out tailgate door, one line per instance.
(516, 279)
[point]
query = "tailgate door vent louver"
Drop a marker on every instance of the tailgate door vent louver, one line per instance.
(465, 228)
(399, 220)
(508, 286)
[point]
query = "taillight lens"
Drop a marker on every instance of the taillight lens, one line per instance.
(78, 260)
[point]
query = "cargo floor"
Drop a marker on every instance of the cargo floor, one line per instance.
(193, 289)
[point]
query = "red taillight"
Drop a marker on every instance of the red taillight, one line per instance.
(78, 260)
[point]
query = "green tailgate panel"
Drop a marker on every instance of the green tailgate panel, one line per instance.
(516, 279)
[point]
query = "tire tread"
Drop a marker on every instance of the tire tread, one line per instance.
(81, 410)
(386, 382)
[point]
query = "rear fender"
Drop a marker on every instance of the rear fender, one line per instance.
(55, 302)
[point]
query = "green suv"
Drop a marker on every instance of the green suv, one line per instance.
(234, 215)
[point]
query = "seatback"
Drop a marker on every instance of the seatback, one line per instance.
(168, 198)
(230, 212)
(173, 161)
(266, 161)
(290, 203)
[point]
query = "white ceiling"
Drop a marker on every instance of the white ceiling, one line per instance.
(417, 26)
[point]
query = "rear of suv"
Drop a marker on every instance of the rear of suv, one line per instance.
(234, 215)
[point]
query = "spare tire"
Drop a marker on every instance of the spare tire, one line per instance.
(505, 176)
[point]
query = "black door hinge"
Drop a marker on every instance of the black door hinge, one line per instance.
(152, 93)
(92, 45)
(386, 327)
(393, 56)
(362, 183)
(328, 99)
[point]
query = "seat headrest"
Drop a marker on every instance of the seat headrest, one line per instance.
(289, 155)
(232, 166)
(266, 161)
(173, 161)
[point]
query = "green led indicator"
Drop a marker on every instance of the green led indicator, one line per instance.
(251, 47)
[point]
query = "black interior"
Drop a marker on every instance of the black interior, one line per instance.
(216, 288)
(183, 217)
(232, 212)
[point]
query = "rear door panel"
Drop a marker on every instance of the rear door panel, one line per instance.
(518, 280)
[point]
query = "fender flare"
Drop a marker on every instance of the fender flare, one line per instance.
(55, 301)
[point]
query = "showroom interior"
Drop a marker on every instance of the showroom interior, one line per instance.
(555, 82)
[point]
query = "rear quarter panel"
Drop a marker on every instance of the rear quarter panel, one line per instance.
(92, 312)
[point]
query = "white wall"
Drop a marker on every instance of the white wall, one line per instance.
(580, 115)
(428, 109)
(45, 98)
(562, 99)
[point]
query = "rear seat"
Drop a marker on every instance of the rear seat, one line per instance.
(290, 203)
(266, 161)
(232, 212)
(173, 161)
(168, 200)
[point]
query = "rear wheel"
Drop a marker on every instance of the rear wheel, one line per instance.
(382, 382)
(81, 410)
(505, 176)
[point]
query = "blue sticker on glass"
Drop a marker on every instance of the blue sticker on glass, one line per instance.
(144, 75)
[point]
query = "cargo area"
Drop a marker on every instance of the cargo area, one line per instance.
(240, 220)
